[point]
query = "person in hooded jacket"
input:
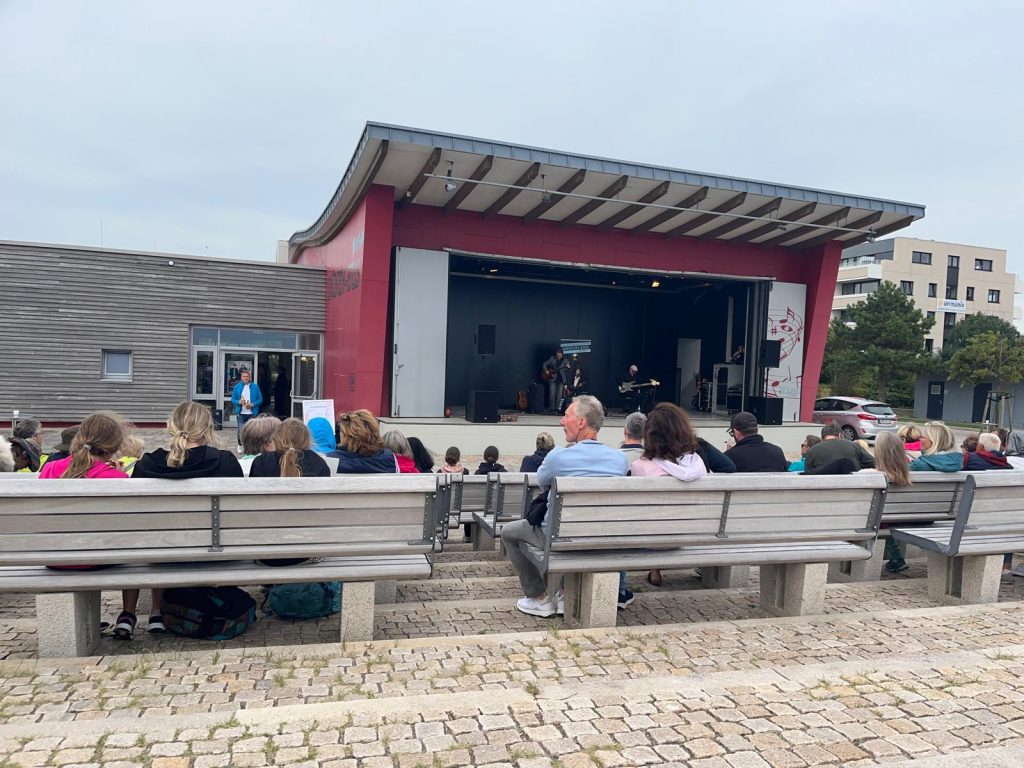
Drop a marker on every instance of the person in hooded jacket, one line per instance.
(938, 450)
(531, 463)
(321, 434)
(986, 456)
(670, 448)
(490, 462)
(361, 450)
(192, 454)
(1012, 446)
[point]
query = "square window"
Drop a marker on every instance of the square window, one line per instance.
(970, 293)
(933, 290)
(907, 286)
(983, 265)
(953, 261)
(993, 296)
(931, 315)
(117, 365)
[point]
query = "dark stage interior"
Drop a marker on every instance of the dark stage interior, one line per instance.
(532, 305)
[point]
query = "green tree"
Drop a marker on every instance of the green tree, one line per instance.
(989, 357)
(886, 341)
(973, 326)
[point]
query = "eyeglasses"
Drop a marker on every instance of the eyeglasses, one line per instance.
(730, 432)
(804, 445)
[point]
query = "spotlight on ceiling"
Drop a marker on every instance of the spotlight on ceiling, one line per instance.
(655, 283)
(492, 270)
(783, 226)
(545, 196)
(450, 185)
(870, 236)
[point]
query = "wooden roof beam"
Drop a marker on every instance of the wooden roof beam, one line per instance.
(421, 178)
(772, 226)
(733, 202)
(882, 231)
(761, 210)
(655, 194)
(510, 194)
(687, 202)
(829, 218)
(592, 205)
(866, 221)
(554, 197)
(465, 187)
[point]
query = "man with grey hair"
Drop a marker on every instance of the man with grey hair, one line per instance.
(633, 434)
(585, 457)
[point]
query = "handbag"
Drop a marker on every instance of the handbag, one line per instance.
(537, 510)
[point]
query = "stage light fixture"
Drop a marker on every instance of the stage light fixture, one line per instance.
(492, 270)
(870, 237)
(783, 226)
(655, 283)
(545, 196)
(451, 185)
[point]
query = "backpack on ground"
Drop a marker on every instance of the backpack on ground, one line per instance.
(304, 601)
(211, 613)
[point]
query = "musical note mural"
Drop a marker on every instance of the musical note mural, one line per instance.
(786, 307)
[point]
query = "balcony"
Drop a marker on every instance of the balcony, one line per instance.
(860, 272)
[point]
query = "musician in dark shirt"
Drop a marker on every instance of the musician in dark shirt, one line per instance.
(557, 373)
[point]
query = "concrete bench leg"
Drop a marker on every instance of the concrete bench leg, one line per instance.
(481, 541)
(385, 591)
(68, 624)
(793, 589)
(357, 600)
(860, 570)
(964, 580)
(591, 599)
(725, 576)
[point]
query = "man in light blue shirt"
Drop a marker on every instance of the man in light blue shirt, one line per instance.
(586, 457)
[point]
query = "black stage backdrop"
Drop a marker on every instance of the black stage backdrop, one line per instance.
(625, 326)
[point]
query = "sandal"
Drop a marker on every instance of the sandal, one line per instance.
(155, 626)
(124, 627)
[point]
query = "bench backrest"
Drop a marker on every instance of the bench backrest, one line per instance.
(930, 497)
(509, 493)
(470, 493)
(143, 521)
(992, 504)
(650, 512)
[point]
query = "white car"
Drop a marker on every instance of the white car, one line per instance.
(860, 419)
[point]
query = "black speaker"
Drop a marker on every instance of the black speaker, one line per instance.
(767, 410)
(535, 398)
(483, 406)
(485, 342)
(771, 353)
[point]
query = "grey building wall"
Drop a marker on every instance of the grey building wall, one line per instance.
(60, 306)
(958, 402)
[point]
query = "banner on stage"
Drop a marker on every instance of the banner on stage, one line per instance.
(575, 346)
(313, 408)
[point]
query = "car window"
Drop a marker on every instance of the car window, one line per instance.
(823, 405)
(840, 405)
(878, 409)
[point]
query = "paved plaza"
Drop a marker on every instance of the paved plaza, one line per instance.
(456, 676)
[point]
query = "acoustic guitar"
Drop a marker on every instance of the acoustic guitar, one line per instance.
(521, 400)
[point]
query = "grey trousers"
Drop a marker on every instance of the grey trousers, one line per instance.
(533, 581)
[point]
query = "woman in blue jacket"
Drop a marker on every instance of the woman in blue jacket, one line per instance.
(938, 450)
(247, 398)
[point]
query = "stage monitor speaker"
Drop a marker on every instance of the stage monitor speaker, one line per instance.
(485, 341)
(482, 407)
(767, 410)
(771, 353)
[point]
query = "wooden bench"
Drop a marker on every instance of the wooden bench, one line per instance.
(931, 497)
(791, 526)
(163, 533)
(469, 495)
(965, 556)
(508, 496)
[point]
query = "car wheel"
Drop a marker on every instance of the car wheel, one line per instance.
(849, 433)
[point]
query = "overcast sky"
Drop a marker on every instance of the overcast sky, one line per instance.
(218, 128)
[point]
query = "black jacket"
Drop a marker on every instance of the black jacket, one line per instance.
(753, 454)
(487, 467)
(713, 459)
(353, 464)
(204, 461)
(269, 465)
(532, 462)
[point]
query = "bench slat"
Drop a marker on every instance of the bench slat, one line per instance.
(649, 541)
(283, 518)
(36, 524)
(324, 535)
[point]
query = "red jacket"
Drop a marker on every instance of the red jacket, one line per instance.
(405, 465)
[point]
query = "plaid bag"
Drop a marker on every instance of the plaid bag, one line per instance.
(210, 613)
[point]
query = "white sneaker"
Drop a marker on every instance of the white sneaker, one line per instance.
(535, 607)
(559, 603)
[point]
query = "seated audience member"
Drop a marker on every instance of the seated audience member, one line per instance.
(938, 450)
(131, 451)
(490, 462)
(453, 463)
(321, 435)
(545, 442)
(891, 461)
(986, 455)
(751, 453)
(421, 456)
(833, 447)
(586, 457)
(292, 455)
(32, 431)
(398, 444)
(361, 450)
(970, 443)
(6, 457)
(92, 455)
(257, 438)
(1015, 460)
(633, 436)
(910, 434)
(26, 455)
(714, 459)
(670, 448)
(809, 442)
(193, 454)
(63, 449)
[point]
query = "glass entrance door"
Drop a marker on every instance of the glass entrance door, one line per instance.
(304, 380)
(232, 366)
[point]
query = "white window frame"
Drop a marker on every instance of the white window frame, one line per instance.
(107, 375)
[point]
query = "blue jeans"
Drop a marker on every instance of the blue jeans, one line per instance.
(241, 418)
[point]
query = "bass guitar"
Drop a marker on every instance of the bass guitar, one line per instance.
(630, 386)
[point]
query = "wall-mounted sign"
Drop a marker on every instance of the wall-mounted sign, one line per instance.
(953, 305)
(575, 346)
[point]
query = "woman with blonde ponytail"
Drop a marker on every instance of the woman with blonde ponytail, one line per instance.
(292, 456)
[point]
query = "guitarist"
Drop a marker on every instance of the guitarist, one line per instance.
(629, 390)
(556, 373)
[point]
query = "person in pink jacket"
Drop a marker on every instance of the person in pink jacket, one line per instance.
(670, 449)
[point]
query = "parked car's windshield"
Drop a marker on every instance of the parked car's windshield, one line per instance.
(878, 409)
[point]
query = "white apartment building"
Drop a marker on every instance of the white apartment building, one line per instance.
(946, 280)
